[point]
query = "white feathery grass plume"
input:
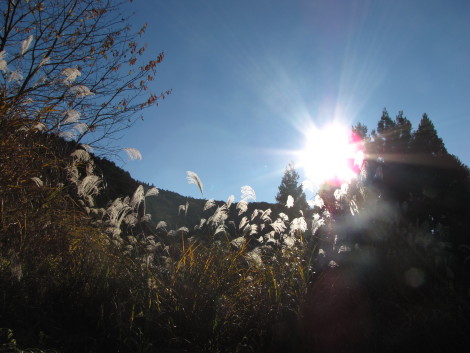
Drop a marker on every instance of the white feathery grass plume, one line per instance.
(26, 44)
(39, 127)
(333, 264)
(283, 216)
(133, 153)
(250, 229)
(131, 219)
(152, 192)
(87, 148)
(114, 232)
(201, 224)
(146, 217)
(298, 224)
(70, 74)
(3, 63)
(238, 242)
(290, 201)
(37, 181)
(363, 173)
(89, 186)
(220, 228)
(337, 194)
(254, 257)
(80, 127)
(230, 200)
(73, 174)
(71, 116)
(278, 226)
(193, 178)
(254, 214)
(318, 202)
(15, 76)
(181, 208)
(90, 168)
(289, 241)
(80, 91)
(44, 61)
(270, 235)
(265, 216)
(353, 207)
(171, 233)
(137, 198)
(150, 239)
(161, 224)
(247, 193)
(246, 229)
(117, 211)
(80, 155)
(183, 229)
(67, 135)
(209, 204)
(186, 208)
(242, 206)
(243, 222)
(219, 216)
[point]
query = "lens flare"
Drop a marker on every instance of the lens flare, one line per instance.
(331, 153)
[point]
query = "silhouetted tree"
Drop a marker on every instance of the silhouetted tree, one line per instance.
(360, 130)
(290, 187)
(426, 140)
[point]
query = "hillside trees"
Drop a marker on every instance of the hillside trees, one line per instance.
(416, 197)
(74, 67)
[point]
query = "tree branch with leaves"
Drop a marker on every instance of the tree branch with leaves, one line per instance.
(75, 67)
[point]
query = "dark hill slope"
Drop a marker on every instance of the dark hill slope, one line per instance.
(164, 206)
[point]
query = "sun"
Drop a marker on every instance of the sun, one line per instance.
(331, 153)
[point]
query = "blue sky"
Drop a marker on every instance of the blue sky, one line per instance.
(248, 77)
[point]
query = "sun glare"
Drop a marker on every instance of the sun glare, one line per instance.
(331, 153)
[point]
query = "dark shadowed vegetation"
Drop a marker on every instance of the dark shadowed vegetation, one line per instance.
(92, 260)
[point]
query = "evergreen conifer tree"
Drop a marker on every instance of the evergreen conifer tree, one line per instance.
(426, 140)
(290, 186)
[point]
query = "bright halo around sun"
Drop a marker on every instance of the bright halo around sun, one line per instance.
(331, 153)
